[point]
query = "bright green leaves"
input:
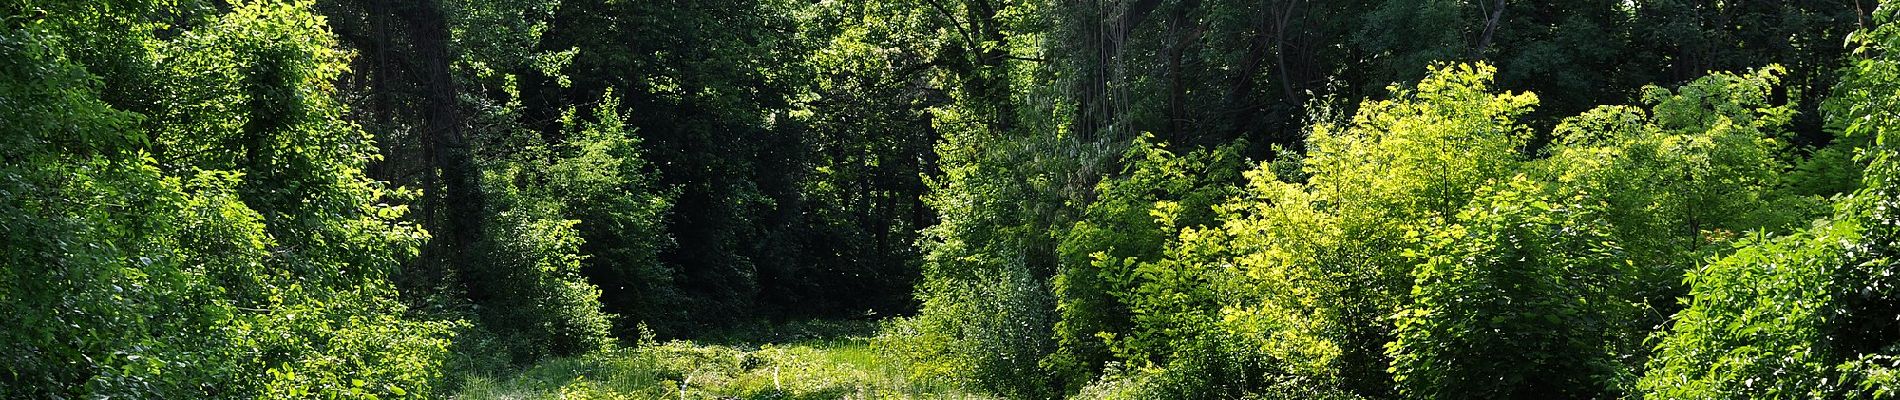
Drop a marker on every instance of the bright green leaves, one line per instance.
(1427, 247)
(1865, 107)
(1744, 100)
(1421, 153)
(1754, 323)
(1292, 283)
(1807, 316)
(50, 101)
(1683, 180)
(252, 91)
(498, 39)
(1402, 165)
(246, 240)
(228, 240)
(1114, 281)
(1520, 298)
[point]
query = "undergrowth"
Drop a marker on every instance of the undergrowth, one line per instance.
(802, 360)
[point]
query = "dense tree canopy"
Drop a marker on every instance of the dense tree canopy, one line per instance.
(1038, 199)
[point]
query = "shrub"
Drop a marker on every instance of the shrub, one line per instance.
(1121, 229)
(251, 262)
(1522, 296)
(540, 305)
(1809, 315)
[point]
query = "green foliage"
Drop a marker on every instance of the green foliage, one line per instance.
(1134, 219)
(211, 199)
(607, 186)
(1755, 323)
(1684, 180)
(585, 205)
(1521, 297)
(1402, 165)
(819, 369)
(988, 333)
(1806, 315)
(711, 80)
(541, 305)
(1679, 165)
(1283, 288)
(1423, 240)
(987, 312)
(865, 129)
(1425, 151)
(221, 242)
(1678, 41)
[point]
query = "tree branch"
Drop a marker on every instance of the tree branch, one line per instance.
(952, 17)
(1490, 28)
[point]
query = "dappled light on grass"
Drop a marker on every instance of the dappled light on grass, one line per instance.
(829, 368)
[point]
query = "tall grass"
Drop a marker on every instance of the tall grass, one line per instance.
(836, 367)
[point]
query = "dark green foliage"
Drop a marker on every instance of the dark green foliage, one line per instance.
(865, 129)
(539, 304)
(1355, 199)
(705, 78)
(988, 311)
(586, 206)
(610, 191)
(559, 213)
(805, 189)
(1677, 41)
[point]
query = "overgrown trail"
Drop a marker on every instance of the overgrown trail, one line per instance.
(812, 361)
(952, 199)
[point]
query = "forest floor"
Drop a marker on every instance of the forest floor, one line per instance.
(806, 360)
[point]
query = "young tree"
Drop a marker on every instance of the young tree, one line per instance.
(1810, 315)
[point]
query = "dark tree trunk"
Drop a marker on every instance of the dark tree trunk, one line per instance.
(1239, 102)
(1490, 30)
(1184, 32)
(460, 198)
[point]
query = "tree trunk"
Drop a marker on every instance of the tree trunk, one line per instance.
(1490, 29)
(461, 201)
(1184, 32)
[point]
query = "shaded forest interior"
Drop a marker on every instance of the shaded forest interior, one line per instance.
(1035, 198)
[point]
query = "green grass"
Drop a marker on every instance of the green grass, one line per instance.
(835, 367)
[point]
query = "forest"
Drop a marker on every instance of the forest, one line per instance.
(956, 199)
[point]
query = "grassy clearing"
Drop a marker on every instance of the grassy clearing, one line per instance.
(836, 367)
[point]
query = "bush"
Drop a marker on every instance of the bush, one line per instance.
(984, 334)
(1755, 323)
(1681, 181)
(1523, 296)
(567, 218)
(541, 305)
(1810, 315)
(1318, 267)
(1121, 229)
(601, 179)
(252, 262)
